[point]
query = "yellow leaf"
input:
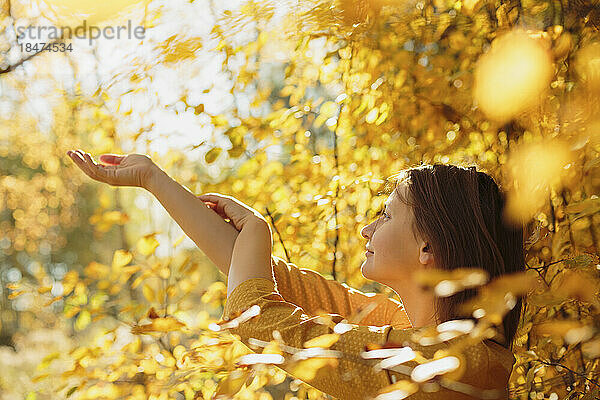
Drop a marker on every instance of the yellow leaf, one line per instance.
(586, 65)
(401, 389)
(534, 168)
(216, 292)
(448, 282)
(148, 293)
(54, 300)
(114, 289)
(582, 261)
(127, 271)
(470, 5)
(164, 272)
(147, 244)
(104, 200)
(558, 327)
(176, 48)
(585, 207)
(178, 241)
(165, 324)
(591, 349)
(16, 294)
(171, 290)
(71, 311)
(328, 109)
(372, 115)
(577, 284)
(236, 151)
(138, 281)
(38, 378)
(499, 296)
(233, 382)
(149, 366)
(326, 340)
(273, 348)
(306, 370)
(47, 360)
(528, 64)
(83, 320)
(219, 120)
(120, 259)
(96, 270)
(382, 117)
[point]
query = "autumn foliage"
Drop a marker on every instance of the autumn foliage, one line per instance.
(328, 99)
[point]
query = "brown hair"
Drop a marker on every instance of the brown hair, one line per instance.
(459, 212)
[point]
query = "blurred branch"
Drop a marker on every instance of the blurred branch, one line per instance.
(12, 67)
(568, 219)
(449, 112)
(287, 256)
(570, 370)
(337, 193)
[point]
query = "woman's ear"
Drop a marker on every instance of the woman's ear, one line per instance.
(425, 254)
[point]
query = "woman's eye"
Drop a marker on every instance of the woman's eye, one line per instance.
(382, 212)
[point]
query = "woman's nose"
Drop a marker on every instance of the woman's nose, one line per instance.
(366, 231)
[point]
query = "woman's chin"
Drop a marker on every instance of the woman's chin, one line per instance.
(365, 267)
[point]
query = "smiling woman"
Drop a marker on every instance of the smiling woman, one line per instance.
(462, 214)
(438, 216)
(398, 251)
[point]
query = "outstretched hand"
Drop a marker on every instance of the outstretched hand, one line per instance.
(122, 170)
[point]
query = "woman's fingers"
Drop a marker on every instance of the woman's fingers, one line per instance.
(88, 166)
(214, 207)
(91, 166)
(212, 197)
(113, 159)
(219, 201)
(116, 175)
(79, 160)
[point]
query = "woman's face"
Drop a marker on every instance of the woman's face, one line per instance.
(395, 253)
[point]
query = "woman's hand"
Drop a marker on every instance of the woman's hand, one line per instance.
(129, 170)
(228, 207)
(251, 254)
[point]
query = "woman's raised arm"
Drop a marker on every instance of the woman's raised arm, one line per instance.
(205, 227)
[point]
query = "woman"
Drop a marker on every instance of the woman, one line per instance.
(438, 216)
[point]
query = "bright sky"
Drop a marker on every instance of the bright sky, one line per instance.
(111, 62)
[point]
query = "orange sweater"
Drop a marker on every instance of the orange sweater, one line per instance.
(291, 306)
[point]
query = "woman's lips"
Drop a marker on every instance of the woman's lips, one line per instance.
(367, 253)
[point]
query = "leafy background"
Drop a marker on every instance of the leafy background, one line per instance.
(301, 109)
